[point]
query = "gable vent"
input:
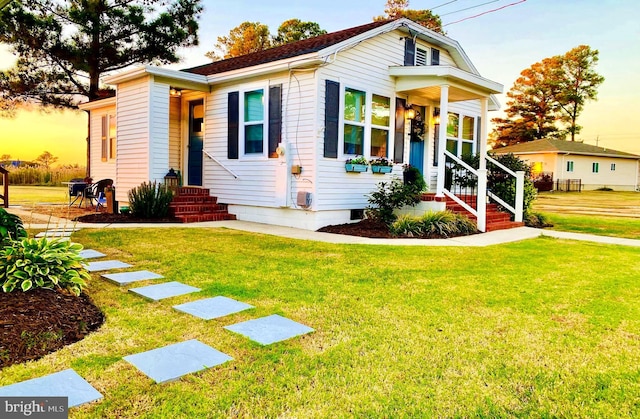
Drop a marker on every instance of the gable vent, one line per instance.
(421, 56)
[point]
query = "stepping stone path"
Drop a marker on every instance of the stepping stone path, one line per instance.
(167, 363)
(106, 265)
(212, 308)
(52, 233)
(126, 278)
(65, 383)
(162, 291)
(270, 329)
(91, 254)
(172, 362)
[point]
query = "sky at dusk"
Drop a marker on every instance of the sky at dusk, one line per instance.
(500, 43)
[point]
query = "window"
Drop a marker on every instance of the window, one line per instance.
(112, 136)
(253, 122)
(569, 166)
(595, 167)
(380, 118)
(354, 121)
(613, 167)
(108, 138)
(461, 139)
(421, 56)
(452, 125)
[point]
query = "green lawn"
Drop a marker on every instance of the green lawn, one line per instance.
(25, 195)
(540, 328)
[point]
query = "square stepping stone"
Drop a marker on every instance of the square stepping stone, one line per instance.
(211, 308)
(105, 265)
(65, 383)
(54, 234)
(172, 362)
(270, 329)
(166, 290)
(91, 254)
(125, 278)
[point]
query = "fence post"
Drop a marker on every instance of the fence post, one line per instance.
(519, 204)
(482, 200)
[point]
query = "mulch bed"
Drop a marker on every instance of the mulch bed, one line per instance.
(365, 228)
(41, 321)
(103, 217)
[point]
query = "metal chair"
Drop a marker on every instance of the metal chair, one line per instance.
(95, 192)
(76, 191)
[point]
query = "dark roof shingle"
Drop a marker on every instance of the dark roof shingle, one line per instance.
(294, 49)
(561, 146)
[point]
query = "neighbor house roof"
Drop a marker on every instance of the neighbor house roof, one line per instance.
(550, 146)
(294, 49)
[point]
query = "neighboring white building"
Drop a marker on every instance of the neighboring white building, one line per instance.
(238, 126)
(595, 167)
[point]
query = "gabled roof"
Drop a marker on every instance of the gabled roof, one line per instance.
(294, 49)
(550, 146)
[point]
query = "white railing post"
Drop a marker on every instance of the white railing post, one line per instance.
(519, 204)
(482, 200)
(442, 139)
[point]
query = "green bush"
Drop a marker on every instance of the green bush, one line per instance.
(390, 196)
(11, 228)
(150, 200)
(537, 220)
(42, 263)
(433, 224)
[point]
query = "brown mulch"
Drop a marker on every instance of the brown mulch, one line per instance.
(41, 321)
(103, 217)
(365, 228)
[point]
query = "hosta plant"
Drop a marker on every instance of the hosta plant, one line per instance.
(42, 263)
(11, 227)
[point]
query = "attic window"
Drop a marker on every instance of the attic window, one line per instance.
(421, 56)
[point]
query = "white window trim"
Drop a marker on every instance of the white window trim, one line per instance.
(459, 139)
(366, 146)
(265, 123)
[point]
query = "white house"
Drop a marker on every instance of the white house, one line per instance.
(594, 167)
(243, 127)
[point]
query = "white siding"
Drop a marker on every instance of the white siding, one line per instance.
(133, 136)
(100, 169)
(159, 131)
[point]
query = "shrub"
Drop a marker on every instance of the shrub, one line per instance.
(11, 228)
(537, 220)
(433, 224)
(42, 263)
(390, 196)
(413, 178)
(150, 200)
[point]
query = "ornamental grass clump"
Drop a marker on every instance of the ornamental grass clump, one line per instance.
(42, 263)
(433, 224)
(150, 200)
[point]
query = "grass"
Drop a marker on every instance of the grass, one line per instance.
(604, 213)
(26, 195)
(530, 329)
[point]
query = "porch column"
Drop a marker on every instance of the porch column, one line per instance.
(442, 138)
(484, 124)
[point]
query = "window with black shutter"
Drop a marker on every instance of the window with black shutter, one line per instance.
(409, 51)
(331, 118)
(232, 130)
(275, 119)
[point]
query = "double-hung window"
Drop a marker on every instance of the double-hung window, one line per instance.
(461, 131)
(253, 122)
(380, 118)
(108, 137)
(366, 123)
(355, 106)
(595, 167)
(570, 166)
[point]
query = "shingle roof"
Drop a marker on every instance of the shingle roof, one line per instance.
(293, 49)
(561, 146)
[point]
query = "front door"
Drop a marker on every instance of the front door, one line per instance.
(418, 134)
(196, 137)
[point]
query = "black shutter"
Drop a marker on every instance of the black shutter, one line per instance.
(398, 142)
(435, 56)
(409, 51)
(233, 113)
(275, 118)
(331, 118)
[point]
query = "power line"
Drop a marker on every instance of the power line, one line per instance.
(484, 13)
(443, 4)
(469, 8)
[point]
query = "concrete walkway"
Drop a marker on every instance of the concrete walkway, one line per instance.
(479, 240)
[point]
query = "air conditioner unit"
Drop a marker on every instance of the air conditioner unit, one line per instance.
(304, 199)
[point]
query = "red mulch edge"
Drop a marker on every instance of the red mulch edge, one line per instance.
(41, 321)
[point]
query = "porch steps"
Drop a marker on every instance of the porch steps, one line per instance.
(496, 219)
(193, 205)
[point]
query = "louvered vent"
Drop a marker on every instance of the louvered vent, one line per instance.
(421, 56)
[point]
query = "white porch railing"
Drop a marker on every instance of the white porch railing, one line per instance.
(517, 208)
(220, 164)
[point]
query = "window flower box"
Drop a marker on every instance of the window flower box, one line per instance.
(356, 165)
(381, 165)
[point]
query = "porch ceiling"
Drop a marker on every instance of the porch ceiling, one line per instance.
(425, 81)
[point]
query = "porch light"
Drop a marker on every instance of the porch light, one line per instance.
(409, 112)
(172, 180)
(175, 92)
(436, 116)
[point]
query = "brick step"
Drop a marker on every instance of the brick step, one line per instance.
(191, 191)
(198, 218)
(194, 199)
(198, 209)
(503, 226)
